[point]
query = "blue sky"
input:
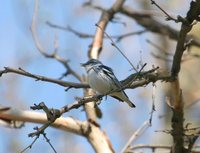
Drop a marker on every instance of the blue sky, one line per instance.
(18, 50)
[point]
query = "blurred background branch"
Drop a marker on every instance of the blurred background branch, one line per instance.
(137, 29)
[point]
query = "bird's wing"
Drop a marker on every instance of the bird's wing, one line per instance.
(106, 70)
(120, 95)
(110, 74)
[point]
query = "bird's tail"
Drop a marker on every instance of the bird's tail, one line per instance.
(121, 96)
(130, 103)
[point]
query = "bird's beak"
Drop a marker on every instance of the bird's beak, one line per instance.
(83, 64)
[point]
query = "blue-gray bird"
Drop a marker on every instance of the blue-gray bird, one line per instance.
(102, 79)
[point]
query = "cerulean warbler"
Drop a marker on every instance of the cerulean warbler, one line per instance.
(102, 79)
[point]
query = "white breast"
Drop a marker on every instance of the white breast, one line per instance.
(98, 83)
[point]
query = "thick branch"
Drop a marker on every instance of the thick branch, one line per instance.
(107, 15)
(177, 119)
(146, 77)
(179, 49)
(185, 28)
(86, 129)
(64, 123)
(178, 113)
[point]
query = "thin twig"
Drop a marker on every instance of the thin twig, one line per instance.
(85, 35)
(113, 44)
(31, 145)
(135, 135)
(159, 48)
(186, 57)
(157, 146)
(70, 29)
(153, 104)
(120, 37)
(148, 22)
(80, 102)
(48, 141)
(41, 49)
(161, 57)
(37, 136)
(53, 114)
(168, 16)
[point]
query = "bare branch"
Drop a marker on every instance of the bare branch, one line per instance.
(149, 23)
(37, 136)
(185, 28)
(192, 142)
(158, 56)
(31, 145)
(43, 78)
(153, 103)
(63, 123)
(177, 119)
(85, 35)
(86, 129)
(156, 146)
(135, 135)
(107, 15)
(168, 16)
(145, 78)
(113, 44)
(186, 57)
(159, 48)
(70, 29)
(133, 81)
(41, 49)
(122, 36)
(48, 141)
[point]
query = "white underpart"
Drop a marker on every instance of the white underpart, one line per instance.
(99, 84)
(102, 84)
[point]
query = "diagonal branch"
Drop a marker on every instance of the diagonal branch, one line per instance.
(167, 15)
(135, 135)
(149, 23)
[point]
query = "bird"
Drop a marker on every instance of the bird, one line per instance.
(101, 79)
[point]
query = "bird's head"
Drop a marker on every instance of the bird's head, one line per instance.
(91, 63)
